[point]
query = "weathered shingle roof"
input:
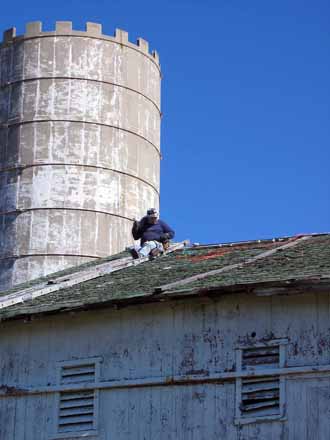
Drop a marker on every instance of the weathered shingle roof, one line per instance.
(221, 268)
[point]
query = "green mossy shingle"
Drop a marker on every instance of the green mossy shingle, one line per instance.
(309, 258)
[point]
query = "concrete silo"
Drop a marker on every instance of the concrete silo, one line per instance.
(79, 146)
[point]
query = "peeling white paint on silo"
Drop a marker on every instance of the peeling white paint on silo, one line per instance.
(79, 146)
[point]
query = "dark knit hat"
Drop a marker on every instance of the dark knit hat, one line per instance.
(152, 211)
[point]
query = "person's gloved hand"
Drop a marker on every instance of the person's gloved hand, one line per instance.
(165, 236)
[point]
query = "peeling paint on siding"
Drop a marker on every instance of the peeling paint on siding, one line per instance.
(145, 389)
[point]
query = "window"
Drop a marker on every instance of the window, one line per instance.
(78, 398)
(259, 385)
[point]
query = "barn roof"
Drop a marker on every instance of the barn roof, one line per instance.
(263, 267)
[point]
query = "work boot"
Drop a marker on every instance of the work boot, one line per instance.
(134, 253)
(166, 244)
(154, 253)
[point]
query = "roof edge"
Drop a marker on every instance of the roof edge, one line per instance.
(285, 287)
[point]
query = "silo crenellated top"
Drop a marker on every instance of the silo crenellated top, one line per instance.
(93, 30)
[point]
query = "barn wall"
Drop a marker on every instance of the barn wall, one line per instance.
(155, 342)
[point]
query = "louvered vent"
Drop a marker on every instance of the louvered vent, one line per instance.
(77, 408)
(78, 373)
(261, 357)
(76, 411)
(260, 396)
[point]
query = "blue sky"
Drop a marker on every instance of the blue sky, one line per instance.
(245, 98)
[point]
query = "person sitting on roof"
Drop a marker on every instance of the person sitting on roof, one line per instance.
(154, 234)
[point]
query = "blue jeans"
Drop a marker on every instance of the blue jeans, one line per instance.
(148, 246)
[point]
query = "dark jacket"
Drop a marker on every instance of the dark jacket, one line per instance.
(159, 231)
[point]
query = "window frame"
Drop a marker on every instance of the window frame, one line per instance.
(256, 372)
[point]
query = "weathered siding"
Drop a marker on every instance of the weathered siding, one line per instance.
(79, 147)
(191, 340)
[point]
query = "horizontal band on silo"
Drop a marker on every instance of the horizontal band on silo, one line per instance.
(37, 121)
(19, 211)
(69, 78)
(15, 257)
(20, 168)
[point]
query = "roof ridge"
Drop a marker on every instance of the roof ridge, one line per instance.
(257, 240)
(64, 281)
(293, 242)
